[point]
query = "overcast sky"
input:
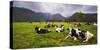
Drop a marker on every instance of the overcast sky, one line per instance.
(54, 8)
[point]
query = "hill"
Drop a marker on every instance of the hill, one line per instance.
(26, 15)
(83, 17)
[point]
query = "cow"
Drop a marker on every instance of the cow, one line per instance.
(77, 24)
(76, 33)
(60, 29)
(42, 30)
(51, 25)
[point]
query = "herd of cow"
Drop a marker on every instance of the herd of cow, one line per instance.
(74, 33)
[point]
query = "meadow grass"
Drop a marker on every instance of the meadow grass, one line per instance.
(24, 35)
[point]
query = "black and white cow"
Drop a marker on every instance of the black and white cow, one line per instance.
(76, 33)
(42, 30)
(77, 24)
(60, 29)
(51, 25)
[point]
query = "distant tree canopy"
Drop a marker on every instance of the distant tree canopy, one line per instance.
(79, 16)
(82, 17)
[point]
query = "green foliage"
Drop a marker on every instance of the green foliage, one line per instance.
(80, 16)
(83, 17)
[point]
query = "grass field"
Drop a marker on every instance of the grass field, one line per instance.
(24, 35)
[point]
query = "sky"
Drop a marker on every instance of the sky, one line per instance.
(55, 8)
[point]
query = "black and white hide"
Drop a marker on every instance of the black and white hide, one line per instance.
(42, 30)
(60, 29)
(76, 33)
(51, 25)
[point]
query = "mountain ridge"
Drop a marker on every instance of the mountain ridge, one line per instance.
(26, 15)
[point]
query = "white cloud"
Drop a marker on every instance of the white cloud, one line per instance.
(53, 8)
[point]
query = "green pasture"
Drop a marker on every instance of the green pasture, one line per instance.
(24, 35)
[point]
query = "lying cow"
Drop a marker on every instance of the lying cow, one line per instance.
(51, 25)
(41, 30)
(79, 34)
(60, 29)
(77, 24)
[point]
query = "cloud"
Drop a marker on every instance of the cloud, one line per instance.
(53, 8)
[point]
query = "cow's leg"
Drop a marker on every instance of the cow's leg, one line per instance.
(75, 38)
(86, 40)
(67, 36)
(88, 36)
(59, 31)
